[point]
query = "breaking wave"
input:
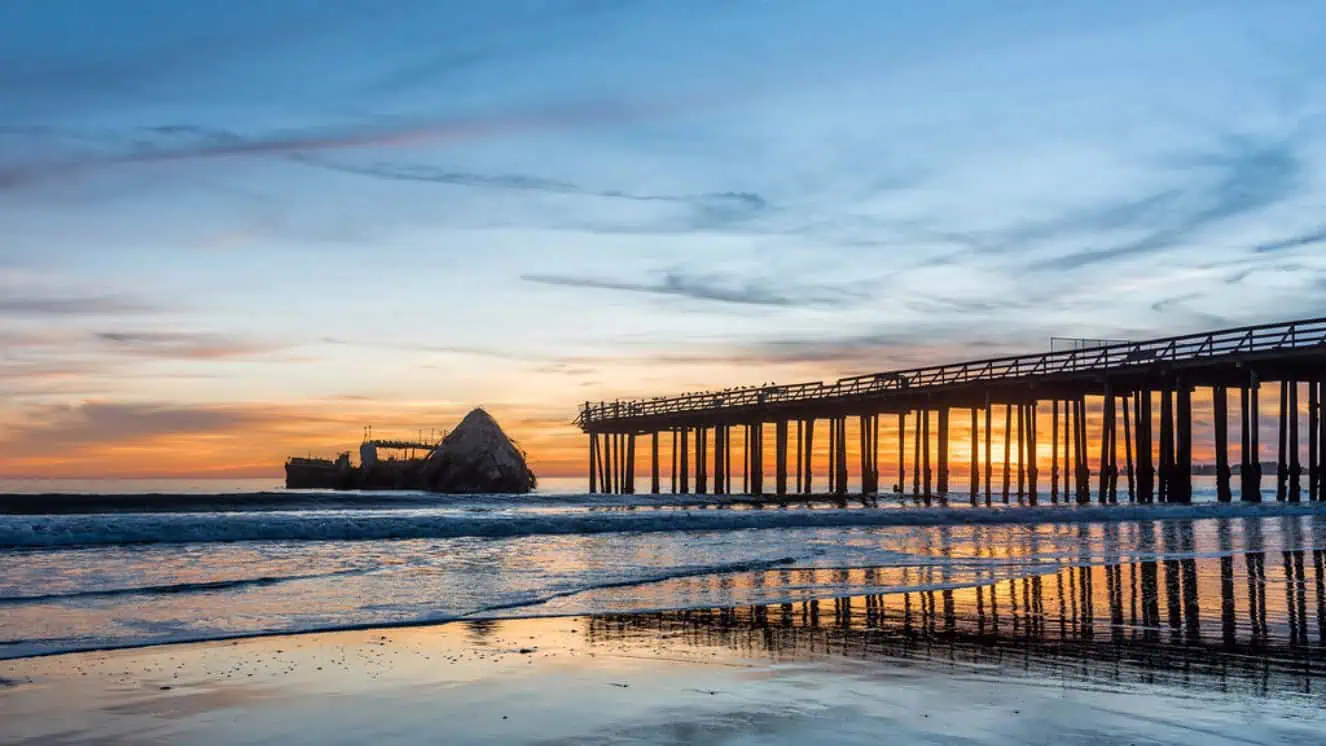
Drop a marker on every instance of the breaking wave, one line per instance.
(175, 528)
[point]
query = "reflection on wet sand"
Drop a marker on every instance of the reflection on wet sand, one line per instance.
(1154, 621)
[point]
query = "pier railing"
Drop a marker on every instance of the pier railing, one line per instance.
(1246, 340)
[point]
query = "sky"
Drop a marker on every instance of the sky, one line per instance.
(232, 232)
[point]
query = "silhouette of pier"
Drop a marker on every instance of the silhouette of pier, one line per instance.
(1114, 409)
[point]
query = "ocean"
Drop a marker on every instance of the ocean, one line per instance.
(167, 563)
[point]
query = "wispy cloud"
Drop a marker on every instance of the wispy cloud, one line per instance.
(717, 288)
(183, 345)
(415, 347)
(1293, 242)
(70, 306)
(85, 423)
(206, 142)
(1244, 177)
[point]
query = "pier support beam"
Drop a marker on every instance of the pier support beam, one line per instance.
(1033, 468)
(1281, 466)
(1146, 471)
(593, 463)
(756, 447)
(630, 464)
(989, 461)
(1220, 415)
(840, 480)
(1166, 444)
(720, 459)
(780, 457)
(869, 454)
(672, 482)
(916, 456)
(1008, 434)
(1182, 490)
(653, 463)
(902, 453)
(685, 471)
(1054, 450)
(975, 471)
(701, 460)
(925, 454)
(1082, 463)
(943, 450)
(1106, 436)
(1128, 405)
(810, 456)
(1314, 440)
(1251, 471)
(1021, 451)
(1295, 464)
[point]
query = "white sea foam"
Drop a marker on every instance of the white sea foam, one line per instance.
(168, 528)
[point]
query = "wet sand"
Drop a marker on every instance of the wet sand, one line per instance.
(1225, 650)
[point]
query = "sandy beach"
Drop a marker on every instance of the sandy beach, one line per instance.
(971, 666)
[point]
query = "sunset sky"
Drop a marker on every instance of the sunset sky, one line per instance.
(236, 231)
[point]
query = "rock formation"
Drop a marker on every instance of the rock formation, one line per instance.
(478, 457)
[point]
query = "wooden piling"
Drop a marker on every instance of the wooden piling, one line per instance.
(1166, 443)
(675, 449)
(801, 458)
(630, 464)
(1128, 405)
(1314, 440)
(757, 460)
(989, 462)
(902, 453)
(1146, 470)
(975, 470)
(1281, 466)
(1033, 468)
(720, 448)
(685, 461)
(1295, 464)
(1083, 462)
(1054, 450)
(916, 455)
(1182, 489)
(701, 460)
(810, 455)
(780, 458)
(1022, 450)
(1008, 434)
(593, 463)
(1106, 423)
(841, 481)
(1253, 424)
(925, 454)
(1220, 415)
(943, 449)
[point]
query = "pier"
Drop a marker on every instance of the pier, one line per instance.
(1113, 410)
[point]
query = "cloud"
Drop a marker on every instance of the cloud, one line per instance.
(713, 287)
(206, 142)
(1243, 177)
(89, 423)
(442, 349)
(710, 209)
(1292, 242)
(70, 306)
(181, 345)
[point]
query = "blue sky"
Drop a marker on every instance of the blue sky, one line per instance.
(221, 219)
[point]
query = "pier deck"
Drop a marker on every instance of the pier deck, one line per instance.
(1090, 392)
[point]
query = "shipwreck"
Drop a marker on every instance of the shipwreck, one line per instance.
(475, 457)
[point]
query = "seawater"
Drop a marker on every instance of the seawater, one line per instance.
(169, 571)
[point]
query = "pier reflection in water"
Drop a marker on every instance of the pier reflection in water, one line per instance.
(1251, 621)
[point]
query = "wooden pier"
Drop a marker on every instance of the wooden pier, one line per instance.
(1138, 395)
